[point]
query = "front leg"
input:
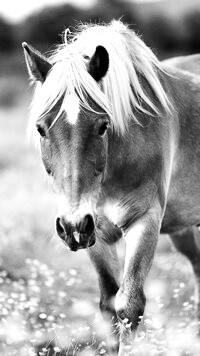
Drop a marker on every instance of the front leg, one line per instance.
(104, 257)
(141, 239)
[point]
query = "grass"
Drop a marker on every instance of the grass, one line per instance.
(49, 295)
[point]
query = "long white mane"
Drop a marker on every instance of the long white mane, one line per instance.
(120, 93)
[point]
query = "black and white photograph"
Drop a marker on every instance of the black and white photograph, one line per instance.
(100, 178)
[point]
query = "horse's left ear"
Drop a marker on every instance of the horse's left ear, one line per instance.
(99, 63)
(38, 66)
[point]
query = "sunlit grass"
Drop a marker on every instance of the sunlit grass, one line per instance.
(54, 310)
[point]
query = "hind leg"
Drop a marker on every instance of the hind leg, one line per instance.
(187, 241)
(104, 257)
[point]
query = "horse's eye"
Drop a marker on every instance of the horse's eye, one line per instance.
(41, 131)
(103, 128)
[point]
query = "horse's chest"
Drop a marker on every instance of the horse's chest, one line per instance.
(114, 212)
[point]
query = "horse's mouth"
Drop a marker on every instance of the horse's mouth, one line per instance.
(74, 245)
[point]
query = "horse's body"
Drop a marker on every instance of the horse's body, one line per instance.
(183, 197)
(140, 177)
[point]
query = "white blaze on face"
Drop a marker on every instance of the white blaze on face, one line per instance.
(72, 108)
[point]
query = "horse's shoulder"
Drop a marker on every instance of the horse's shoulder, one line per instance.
(190, 64)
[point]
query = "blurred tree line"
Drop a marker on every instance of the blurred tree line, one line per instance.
(43, 29)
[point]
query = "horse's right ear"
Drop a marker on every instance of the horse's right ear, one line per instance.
(38, 66)
(99, 63)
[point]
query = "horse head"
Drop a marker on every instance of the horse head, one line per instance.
(73, 141)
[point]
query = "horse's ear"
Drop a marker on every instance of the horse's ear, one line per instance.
(99, 63)
(38, 66)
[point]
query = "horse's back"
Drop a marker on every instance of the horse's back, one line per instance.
(189, 63)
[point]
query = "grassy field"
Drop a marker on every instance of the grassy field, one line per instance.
(49, 295)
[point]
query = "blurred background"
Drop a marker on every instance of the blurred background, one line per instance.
(49, 295)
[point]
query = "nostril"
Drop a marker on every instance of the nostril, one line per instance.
(60, 228)
(87, 225)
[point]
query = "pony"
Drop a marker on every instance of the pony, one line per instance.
(119, 135)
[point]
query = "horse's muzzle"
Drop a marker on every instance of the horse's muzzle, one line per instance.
(77, 236)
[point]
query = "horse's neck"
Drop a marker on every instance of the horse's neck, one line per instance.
(145, 145)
